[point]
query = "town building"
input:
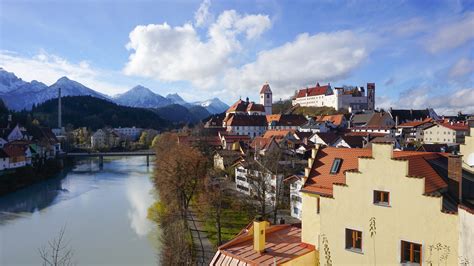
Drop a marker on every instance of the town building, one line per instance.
(105, 139)
(363, 205)
(413, 131)
(447, 132)
(129, 133)
(349, 98)
(296, 182)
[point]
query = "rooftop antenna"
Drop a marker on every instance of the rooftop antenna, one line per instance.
(60, 122)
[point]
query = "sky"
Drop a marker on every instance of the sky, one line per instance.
(419, 53)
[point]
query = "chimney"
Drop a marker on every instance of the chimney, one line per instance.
(60, 122)
(259, 227)
(455, 174)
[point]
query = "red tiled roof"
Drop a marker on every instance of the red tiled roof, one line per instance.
(456, 126)
(239, 106)
(416, 123)
(261, 143)
(235, 138)
(255, 107)
(314, 91)
(364, 134)
(335, 119)
(13, 150)
(321, 182)
(282, 244)
(277, 133)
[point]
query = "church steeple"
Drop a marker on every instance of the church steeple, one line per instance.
(266, 98)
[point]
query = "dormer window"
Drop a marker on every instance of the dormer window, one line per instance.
(336, 164)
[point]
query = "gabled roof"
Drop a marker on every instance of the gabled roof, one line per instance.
(314, 91)
(354, 141)
(454, 126)
(416, 123)
(362, 118)
(335, 119)
(377, 120)
(255, 107)
(303, 135)
(262, 143)
(278, 133)
(247, 120)
(289, 120)
(321, 182)
(13, 150)
(409, 115)
(265, 89)
(328, 137)
(239, 106)
(282, 244)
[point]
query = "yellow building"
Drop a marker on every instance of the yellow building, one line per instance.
(385, 207)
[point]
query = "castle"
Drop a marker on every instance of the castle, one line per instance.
(352, 99)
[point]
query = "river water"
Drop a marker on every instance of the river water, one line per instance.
(103, 211)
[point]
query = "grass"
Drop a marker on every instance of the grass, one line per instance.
(233, 221)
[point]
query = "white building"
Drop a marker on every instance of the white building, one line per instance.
(131, 133)
(352, 99)
(447, 133)
(296, 182)
(244, 183)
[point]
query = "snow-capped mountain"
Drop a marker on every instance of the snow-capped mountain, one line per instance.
(22, 95)
(19, 94)
(9, 81)
(213, 106)
(175, 98)
(140, 96)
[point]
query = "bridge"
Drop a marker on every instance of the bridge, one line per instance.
(101, 155)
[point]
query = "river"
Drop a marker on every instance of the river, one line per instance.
(103, 211)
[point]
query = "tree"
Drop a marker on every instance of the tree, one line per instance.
(57, 252)
(143, 138)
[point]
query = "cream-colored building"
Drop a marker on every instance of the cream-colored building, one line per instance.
(385, 207)
(448, 133)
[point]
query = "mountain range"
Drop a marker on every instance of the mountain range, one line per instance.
(18, 94)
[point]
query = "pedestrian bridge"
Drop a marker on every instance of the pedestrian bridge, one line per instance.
(101, 155)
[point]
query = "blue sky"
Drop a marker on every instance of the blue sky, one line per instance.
(419, 53)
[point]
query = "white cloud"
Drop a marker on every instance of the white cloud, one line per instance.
(202, 15)
(452, 35)
(421, 98)
(461, 68)
(409, 27)
(168, 53)
(306, 60)
(48, 68)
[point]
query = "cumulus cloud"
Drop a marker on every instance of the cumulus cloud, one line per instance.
(306, 60)
(48, 68)
(421, 97)
(452, 35)
(202, 15)
(168, 53)
(461, 68)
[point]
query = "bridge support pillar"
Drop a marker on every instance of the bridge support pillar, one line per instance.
(148, 160)
(101, 162)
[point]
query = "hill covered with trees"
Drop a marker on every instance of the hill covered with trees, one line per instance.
(94, 113)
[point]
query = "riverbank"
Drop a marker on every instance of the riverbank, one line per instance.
(14, 179)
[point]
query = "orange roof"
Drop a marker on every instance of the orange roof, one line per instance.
(255, 107)
(277, 133)
(321, 182)
(335, 119)
(261, 143)
(416, 123)
(456, 126)
(282, 244)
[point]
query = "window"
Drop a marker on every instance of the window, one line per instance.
(295, 210)
(318, 205)
(242, 188)
(411, 253)
(353, 240)
(295, 198)
(335, 166)
(381, 197)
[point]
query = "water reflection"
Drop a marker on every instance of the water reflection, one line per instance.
(140, 198)
(101, 208)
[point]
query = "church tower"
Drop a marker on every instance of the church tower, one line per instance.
(266, 98)
(371, 96)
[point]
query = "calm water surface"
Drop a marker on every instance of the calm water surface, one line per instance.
(104, 213)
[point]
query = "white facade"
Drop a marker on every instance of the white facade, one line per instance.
(296, 204)
(98, 139)
(131, 133)
(243, 185)
(251, 131)
(337, 99)
(441, 134)
(466, 235)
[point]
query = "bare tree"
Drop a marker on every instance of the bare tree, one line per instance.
(57, 252)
